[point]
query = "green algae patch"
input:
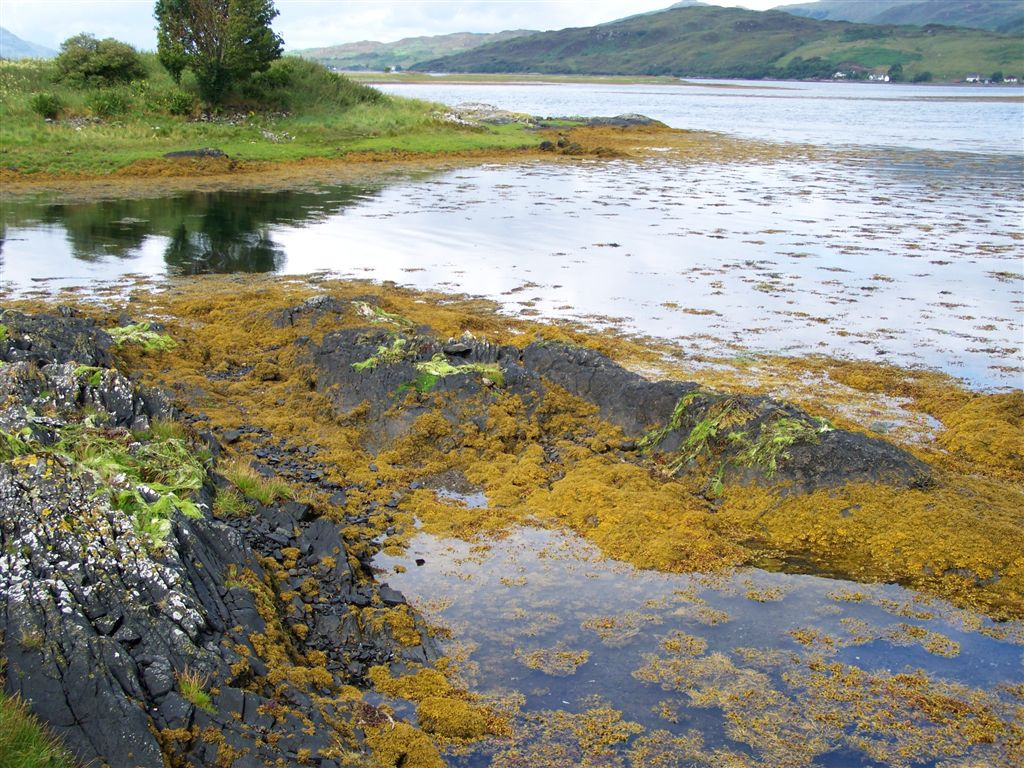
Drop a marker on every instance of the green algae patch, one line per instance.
(438, 367)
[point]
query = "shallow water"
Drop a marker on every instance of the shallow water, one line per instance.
(541, 614)
(909, 257)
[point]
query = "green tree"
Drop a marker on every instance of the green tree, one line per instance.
(895, 73)
(997, 76)
(86, 61)
(223, 42)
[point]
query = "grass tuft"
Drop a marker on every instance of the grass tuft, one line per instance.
(252, 484)
(192, 686)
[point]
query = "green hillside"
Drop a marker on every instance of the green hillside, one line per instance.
(1003, 16)
(371, 55)
(708, 41)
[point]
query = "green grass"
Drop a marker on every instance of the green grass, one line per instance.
(298, 110)
(230, 503)
(252, 484)
(193, 689)
(24, 741)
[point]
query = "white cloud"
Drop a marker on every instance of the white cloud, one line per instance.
(309, 23)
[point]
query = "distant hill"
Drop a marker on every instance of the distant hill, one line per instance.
(708, 41)
(13, 47)
(403, 53)
(1003, 16)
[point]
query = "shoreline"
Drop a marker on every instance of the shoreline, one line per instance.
(597, 141)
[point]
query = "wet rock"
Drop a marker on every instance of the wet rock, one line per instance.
(184, 154)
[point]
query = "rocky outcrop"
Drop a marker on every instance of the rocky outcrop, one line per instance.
(135, 624)
(749, 439)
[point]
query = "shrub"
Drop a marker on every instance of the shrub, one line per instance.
(84, 60)
(179, 102)
(47, 105)
(297, 84)
(109, 102)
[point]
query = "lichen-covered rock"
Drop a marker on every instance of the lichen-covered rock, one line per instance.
(142, 630)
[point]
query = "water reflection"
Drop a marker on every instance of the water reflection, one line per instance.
(746, 669)
(199, 233)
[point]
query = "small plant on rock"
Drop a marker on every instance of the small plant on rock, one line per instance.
(192, 686)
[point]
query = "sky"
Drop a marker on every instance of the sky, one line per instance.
(313, 23)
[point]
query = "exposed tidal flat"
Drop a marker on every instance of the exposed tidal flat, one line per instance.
(800, 548)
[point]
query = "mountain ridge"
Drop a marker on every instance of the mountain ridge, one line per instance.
(13, 47)
(370, 54)
(709, 41)
(1001, 16)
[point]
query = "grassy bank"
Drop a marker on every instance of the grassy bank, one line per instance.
(297, 110)
(24, 742)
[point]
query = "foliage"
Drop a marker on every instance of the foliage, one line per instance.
(230, 503)
(291, 82)
(24, 741)
(109, 102)
(316, 126)
(15, 444)
(86, 61)
(47, 105)
(148, 480)
(252, 484)
(178, 102)
(223, 42)
(140, 334)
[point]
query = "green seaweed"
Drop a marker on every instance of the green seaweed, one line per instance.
(386, 354)
(438, 367)
(657, 435)
(142, 335)
(774, 438)
(377, 315)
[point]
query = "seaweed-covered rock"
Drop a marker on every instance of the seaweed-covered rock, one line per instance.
(740, 437)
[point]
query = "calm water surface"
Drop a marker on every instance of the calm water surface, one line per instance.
(540, 614)
(907, 257)
(942, 118)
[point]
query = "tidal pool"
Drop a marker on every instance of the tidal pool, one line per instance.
(603, 664)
